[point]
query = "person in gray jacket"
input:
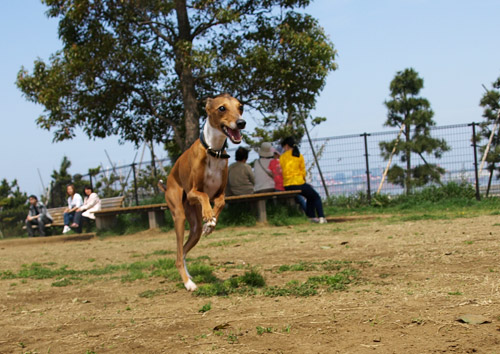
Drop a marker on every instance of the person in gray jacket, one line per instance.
(38, 216)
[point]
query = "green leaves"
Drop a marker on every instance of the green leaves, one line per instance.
(140, 70)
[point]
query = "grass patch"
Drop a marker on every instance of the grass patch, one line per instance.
(245, 284)
(205, 308)
(148, 294)
(62, 282)
(261, 330)
(329, 265)
(292, 288)
(163, 267)
(452, 200)
(336, 282)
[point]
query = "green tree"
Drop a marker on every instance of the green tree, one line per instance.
(413, 114)
(13, 208)
(491, 104)
(141, 68)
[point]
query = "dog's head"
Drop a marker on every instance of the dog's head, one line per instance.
(224, 113)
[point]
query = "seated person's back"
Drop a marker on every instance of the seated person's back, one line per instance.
(240, 176)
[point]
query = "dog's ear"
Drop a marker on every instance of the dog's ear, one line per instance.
(208, 103)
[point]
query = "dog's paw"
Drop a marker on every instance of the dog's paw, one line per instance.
(209, 227)
(190, 285)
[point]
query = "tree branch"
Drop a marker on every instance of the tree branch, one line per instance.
(155, 113)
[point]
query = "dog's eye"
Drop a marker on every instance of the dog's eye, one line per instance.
(222, 108)
(241, 109)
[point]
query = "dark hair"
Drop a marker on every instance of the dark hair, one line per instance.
(241, 154)
(88, 187)
(33, 196)
(72, 186)
(290, 141)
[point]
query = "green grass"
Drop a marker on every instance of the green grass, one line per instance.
(245, 284)
(261, 330)
(205, 308)
(339, 274)
(453, 200)
(164, 267)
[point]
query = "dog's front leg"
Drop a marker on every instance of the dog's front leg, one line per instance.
(194, 196)
(219, 204)
(209, 227)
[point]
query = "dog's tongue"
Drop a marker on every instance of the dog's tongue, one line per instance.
(234, 134)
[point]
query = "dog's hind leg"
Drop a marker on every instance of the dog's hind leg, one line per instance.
(174, 201)
(193, 215)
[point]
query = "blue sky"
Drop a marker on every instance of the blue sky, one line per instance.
(453, 44)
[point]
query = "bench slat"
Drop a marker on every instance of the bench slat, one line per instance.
(106, 203)
(257, 196)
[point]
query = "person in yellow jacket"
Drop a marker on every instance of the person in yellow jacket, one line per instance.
(294, 178)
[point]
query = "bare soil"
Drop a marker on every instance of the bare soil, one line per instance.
(416, 279)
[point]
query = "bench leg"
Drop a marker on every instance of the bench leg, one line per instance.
(261, 211)
(156, 219)
(105, 221)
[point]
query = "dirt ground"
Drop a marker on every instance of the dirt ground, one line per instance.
(416, 280)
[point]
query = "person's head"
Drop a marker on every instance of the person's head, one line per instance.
(88, 190)
(33, 199)
(70, 189)
(289, 143)
(266, 150)
(241, 154)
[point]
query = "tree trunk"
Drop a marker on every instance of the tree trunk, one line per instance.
(185, 73)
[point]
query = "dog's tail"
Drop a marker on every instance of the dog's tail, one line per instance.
(162, 186)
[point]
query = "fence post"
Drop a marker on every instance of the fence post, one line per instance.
(368, 186)
(474, 144)
(316, 159)
(135, 184)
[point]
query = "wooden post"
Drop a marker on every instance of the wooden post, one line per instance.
(316, 159)
(261, 211)
(390, 159)
(493, 131)
(105, 221)
(156, 219)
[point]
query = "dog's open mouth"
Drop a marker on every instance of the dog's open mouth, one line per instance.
(233, 134)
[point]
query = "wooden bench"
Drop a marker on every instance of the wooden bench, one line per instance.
(106, 218)
(58, 213)
(259, 199)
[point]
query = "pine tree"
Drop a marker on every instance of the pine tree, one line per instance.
(412, 114)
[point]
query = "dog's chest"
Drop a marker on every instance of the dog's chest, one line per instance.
(212, 180)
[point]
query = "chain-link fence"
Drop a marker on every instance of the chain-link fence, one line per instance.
(349, 164)
(345, 160)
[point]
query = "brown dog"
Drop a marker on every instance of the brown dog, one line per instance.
(200, 176)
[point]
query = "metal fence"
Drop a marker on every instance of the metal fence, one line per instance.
(347, 169)
(349, 164)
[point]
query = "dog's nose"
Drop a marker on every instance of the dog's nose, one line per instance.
(240, 123)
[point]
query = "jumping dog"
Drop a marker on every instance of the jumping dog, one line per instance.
(199, 177)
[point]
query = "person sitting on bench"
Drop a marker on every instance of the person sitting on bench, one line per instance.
(240, 178)
(74, 202)
(91, 204)
(264, 177)
(38, 215)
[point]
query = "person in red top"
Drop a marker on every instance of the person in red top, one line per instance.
(275, 167)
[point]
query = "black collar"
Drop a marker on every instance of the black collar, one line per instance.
(218, 154)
